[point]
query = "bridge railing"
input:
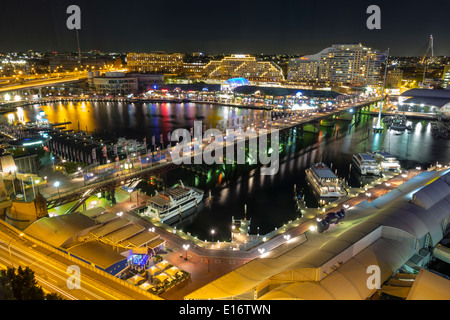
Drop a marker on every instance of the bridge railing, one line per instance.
(116, 177)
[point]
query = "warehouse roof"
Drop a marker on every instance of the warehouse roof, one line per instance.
(382, 232)
(97, 252)
(58, 229)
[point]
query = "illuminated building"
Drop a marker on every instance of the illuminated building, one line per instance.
(155, 62)
(303, 69)
(243, 66)
(446, 77)
(68, 62)
(233, 83)
(394, 78)
(195, 69)
(351, 64)
(115, 83)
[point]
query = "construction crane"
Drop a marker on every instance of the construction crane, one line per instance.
(429, 48)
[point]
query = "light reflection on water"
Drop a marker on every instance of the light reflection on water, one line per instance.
(269, 199)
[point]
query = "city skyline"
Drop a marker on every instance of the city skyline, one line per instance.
(284, 27)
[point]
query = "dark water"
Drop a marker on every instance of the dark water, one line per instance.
(135, 121)
(269, 199)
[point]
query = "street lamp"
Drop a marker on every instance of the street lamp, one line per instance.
(186, 247)
(37, 185)
(56, 185)
(212, 232)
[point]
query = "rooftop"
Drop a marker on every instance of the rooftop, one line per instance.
(384, 232)
(323, 171)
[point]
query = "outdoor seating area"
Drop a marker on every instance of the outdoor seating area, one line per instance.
(158, 278)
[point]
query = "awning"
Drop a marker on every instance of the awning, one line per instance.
(145, 286)
(162, 265)
(155, 243)
(162, 277)
(172, 271)
(135, 279)
(153, 270)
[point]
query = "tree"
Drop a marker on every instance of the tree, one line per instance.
(22, 285)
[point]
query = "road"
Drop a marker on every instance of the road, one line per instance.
(51, 272)
(8, 84)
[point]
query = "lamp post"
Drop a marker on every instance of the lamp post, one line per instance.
(186, 247)
(56, 185)
(37, 185)
(212, 232)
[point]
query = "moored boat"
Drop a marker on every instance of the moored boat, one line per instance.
(365, 164)
(173, 202)
(324, 182)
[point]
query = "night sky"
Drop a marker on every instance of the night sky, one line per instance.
(211, 26)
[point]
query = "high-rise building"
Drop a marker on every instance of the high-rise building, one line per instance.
(303, 69)
(446, 77)
(243, 66)
(352, 64)
(155, 62)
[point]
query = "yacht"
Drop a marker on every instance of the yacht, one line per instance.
(365, 164)
(324, 182)
(387, 161)
(398, 123)
(173, 202)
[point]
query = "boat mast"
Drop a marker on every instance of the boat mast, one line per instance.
(382, 93)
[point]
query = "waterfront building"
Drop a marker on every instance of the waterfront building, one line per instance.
(303, 69)
(350, 64)
(340, 64)
(97, 237)
(446, 77)
(425, 100)
(243, 66)
(114, 83)
(155, 62)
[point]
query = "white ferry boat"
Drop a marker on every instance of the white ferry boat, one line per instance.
(387, 161)
(173, 202)
(324, 182)
(365, 164)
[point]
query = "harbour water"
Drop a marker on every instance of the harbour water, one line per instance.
(269, 199)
